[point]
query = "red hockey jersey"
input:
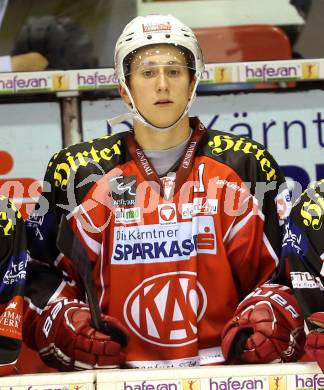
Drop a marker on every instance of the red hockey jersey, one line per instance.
(171, 257)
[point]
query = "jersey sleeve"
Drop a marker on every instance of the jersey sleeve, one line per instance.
(51, 274)
(69, 176)
(251, 255)
(254, 238)
(13, 262)
(65, 184)
(91, 218)
(42, 227)
(303, 249)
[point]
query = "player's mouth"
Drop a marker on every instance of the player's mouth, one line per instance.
(163, 102)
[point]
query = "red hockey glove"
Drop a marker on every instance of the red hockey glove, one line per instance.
(67, 341)
(315, 339)
(267, 327)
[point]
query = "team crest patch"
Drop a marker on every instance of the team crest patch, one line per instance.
(147, 309)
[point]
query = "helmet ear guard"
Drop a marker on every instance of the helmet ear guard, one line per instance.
(154, 30)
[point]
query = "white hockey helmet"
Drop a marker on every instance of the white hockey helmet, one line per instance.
(156, 29)
(153, 30)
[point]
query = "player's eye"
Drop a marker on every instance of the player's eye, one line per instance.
(148, 73)
(174, 72)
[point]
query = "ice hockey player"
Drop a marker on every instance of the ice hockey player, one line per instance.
(303, 251)
(179, 223)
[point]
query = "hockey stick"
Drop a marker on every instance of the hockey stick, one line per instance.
(69, 245)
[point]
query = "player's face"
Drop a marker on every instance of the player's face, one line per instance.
(160, 84)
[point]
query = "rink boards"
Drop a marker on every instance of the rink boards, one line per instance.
(291, 376)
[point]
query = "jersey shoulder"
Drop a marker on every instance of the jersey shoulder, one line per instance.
(308, 210)
(97, 156)
(99, 150)
(10, 217)
(248, 158)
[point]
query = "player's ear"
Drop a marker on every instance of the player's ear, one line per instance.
(123, 94)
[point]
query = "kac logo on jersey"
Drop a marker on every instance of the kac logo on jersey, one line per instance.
(123, 190)
(165, 309)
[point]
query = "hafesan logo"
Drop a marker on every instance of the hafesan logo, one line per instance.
(223, 74)
(191, 384)
(310, 71)
(165, 309)
(277, 382)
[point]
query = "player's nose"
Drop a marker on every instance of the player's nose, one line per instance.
(162, 83)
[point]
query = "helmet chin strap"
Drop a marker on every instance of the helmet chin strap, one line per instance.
(134, 114)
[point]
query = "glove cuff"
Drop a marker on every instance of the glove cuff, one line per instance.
(280, 297)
